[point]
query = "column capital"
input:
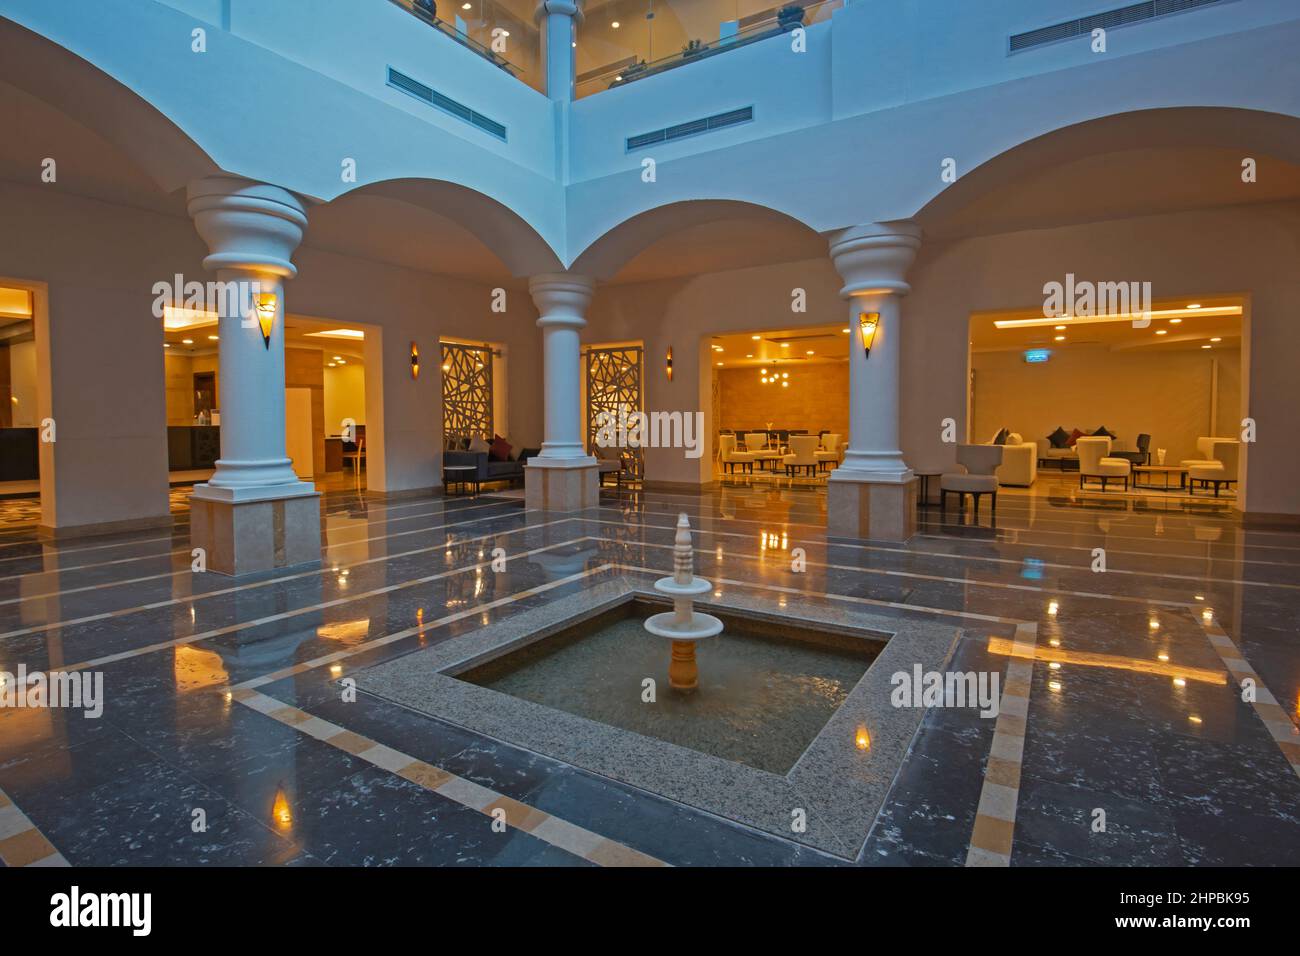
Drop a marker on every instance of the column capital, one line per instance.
(873, 258)
(562, 298)
(247, 224)
(569, 8)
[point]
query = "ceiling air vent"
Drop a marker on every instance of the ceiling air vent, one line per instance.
(431, 97)
(692, 128)
(1119, 17)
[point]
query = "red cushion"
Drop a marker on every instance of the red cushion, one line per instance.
(1075, 436)
(500, 450)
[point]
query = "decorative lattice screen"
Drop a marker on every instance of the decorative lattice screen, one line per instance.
(466, 392)
(613, 385)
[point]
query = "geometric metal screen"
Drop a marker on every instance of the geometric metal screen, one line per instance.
(466, 392)
(613, 386)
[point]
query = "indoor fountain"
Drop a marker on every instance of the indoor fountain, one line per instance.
(683, 625)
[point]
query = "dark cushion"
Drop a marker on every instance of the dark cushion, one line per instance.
(1102, 431)
(1059, 438)
(1001, 438)
(1075, 436)
(500, 450)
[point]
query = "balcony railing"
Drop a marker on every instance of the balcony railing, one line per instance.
(428, 17)
(733, 34)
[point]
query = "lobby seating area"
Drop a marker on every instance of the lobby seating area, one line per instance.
(779, 452)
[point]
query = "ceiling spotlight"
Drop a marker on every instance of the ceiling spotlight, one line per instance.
(749, 355)
(187, 341)
(1060, 338)
(1194, 305)
(1060, 328)
(809, 352)
(167, 345)
(756, 337)
(719, 365)
(845, 331)
(1174, 321)
(213, 338)
(785, 345)
(1162, 331)
(1207, 346)
(1217, 339)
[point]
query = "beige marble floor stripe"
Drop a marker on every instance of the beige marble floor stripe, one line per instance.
(995, 820)
(514, 813)
(1280, 724)
(21, 843)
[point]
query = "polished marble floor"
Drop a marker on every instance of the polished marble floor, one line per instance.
(229, 734)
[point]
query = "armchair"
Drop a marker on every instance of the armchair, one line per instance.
(979, 478)
(1095, 462)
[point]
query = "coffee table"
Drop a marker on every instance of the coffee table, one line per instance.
(1167, 470)
(463, 475)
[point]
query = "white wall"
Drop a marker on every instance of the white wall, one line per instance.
(345, 396)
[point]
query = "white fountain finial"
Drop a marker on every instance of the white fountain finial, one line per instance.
(683, 625)
(683, 554)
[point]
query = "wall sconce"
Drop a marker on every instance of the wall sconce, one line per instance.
(867, 323)
(266, 306)
(415, 360)
(669, 363)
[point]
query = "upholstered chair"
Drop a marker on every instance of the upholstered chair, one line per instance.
(828, 456)
(755, 441)
(1219, 470)
(730, 457)
(1095, 462)
(979, 478)
(803, 455)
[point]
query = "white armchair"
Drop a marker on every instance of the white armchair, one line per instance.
(730, 457)
(803, 454)
(1019, 462)
(1095, 462)
(1220, 469)
(830, 453)
(981, 463)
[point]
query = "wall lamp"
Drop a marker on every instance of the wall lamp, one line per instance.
(668, 367)
(266, 307)
(415, 360)
(867, 323)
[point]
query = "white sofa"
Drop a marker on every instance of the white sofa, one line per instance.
(1019, 462)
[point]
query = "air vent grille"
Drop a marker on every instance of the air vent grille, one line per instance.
(1110, 19)
(428, 95)
(692, 128)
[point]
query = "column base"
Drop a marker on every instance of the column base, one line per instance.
(561, 484)
(864, 507)
(246, 536)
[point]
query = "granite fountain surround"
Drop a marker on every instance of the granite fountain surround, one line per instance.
(835, 787)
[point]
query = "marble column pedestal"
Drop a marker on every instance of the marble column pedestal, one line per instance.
(859, 507)
(245, 536)
(561, 484)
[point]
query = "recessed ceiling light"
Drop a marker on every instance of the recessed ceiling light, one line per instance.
(1060, 328)
(749, 355)
(337, 358)
(1174, 321)
(187, 341)
(756, 337)
(167, 345)
(719, 364)
(1162, 331)
(845, 331)
(212, 338)
(1207, 346)
(615, 24)
(809, 352)
(1217, 339)
(785, 345)
(1194, 305)
(1060, 338)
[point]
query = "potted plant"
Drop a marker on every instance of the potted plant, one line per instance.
(790, 17)
(693, 47)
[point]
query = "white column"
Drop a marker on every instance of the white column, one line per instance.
(557, 19)
(872, 260)
(251, 230)
(563, 476)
